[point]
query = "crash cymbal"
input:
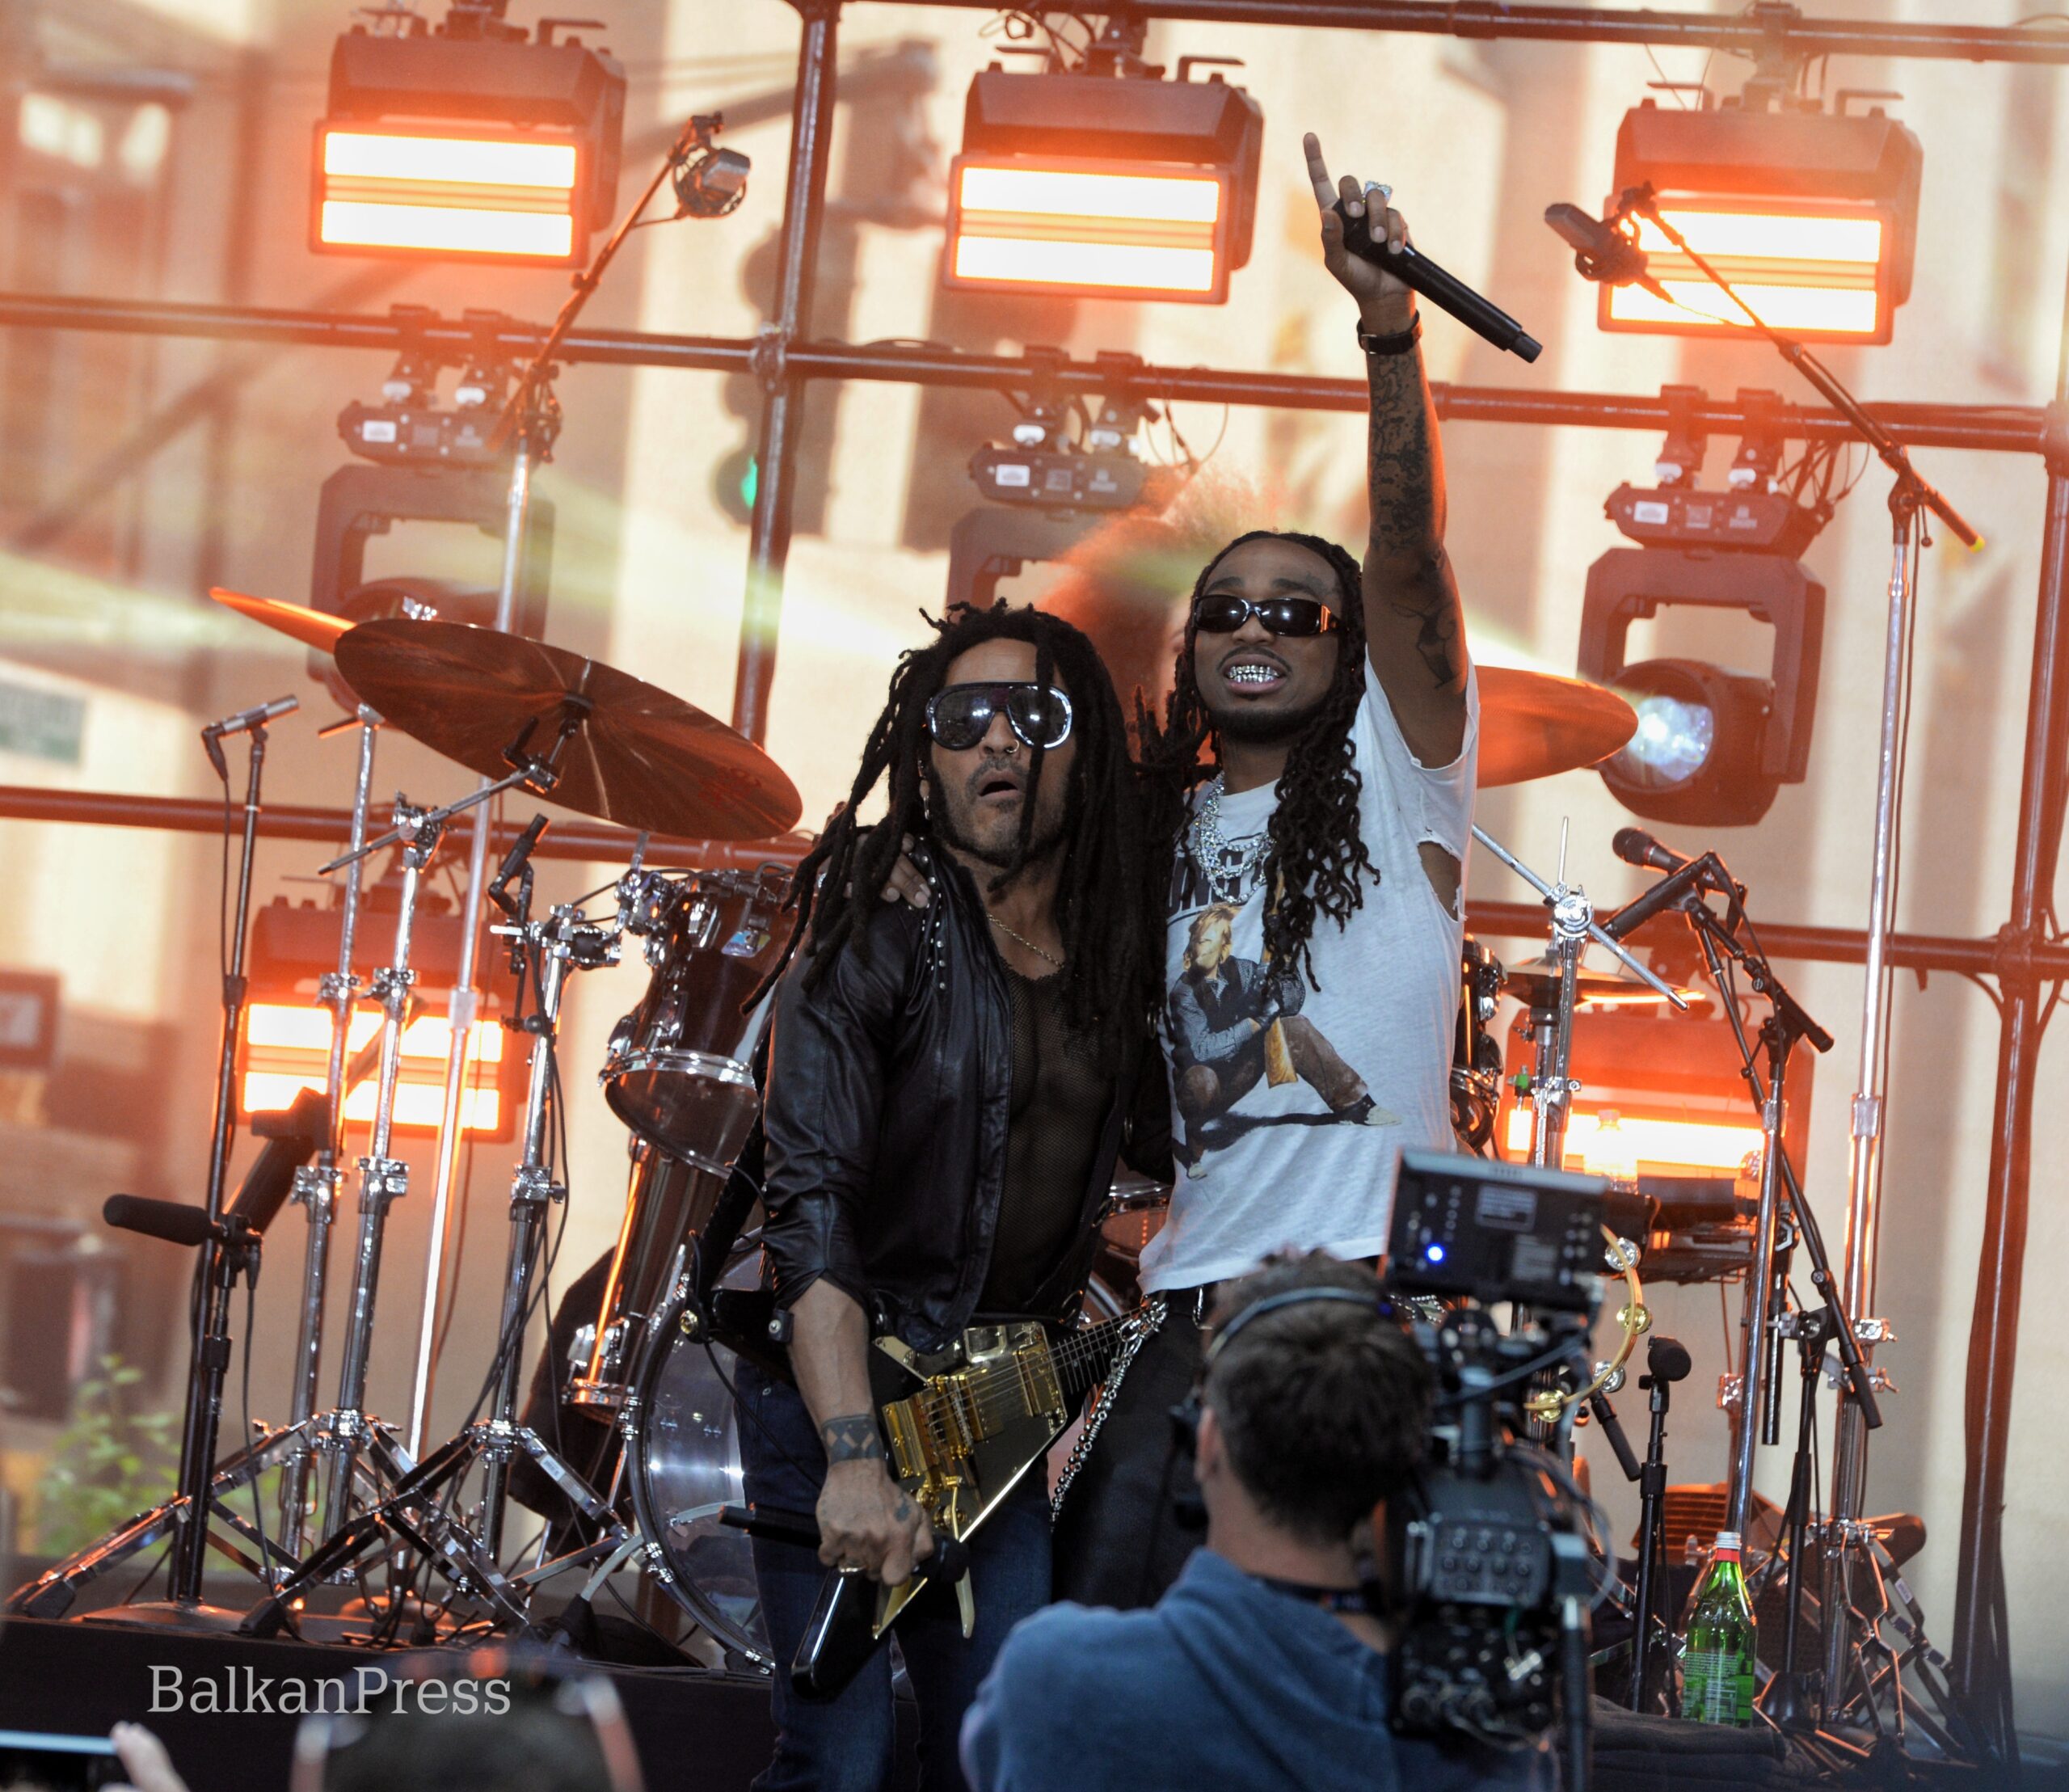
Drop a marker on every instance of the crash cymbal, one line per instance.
(1537, 983)
(638, 755)
(311, 627)
(1532, 724)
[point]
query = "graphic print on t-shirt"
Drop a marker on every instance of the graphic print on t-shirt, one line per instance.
(1272, 1162)
(1236, 1022)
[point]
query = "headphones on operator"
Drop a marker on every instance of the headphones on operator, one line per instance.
(1185, 1416)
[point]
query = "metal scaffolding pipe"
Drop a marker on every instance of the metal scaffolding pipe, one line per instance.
(783, 389)
(1747, 33)
(598, 842)
(568, 837)
(2012, 429)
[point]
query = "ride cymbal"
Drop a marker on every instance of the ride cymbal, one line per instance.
(1533, 725)
(633, 754)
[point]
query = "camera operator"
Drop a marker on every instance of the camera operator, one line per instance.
(1262, 1666)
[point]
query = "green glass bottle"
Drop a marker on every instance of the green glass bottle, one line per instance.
(1718, 1673)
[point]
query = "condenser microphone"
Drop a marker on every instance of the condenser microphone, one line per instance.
(1601, 252)
(256, 717)
(1635, 846)
(175, 1221)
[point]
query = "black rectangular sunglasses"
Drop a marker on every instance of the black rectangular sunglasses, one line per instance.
(960, 716)
(1223, 614)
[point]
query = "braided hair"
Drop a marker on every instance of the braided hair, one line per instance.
(1110, 902)
(1317, 858)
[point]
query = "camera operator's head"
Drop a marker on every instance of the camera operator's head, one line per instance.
(1313, 1410)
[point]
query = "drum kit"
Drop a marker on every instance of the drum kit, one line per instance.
(354, 1493)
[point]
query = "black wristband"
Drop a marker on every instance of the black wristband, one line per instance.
(1398, 343)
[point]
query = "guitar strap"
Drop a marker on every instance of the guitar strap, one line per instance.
(1149, 1322)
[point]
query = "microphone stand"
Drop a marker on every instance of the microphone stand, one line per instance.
(1910, 497)
(219, 1264)
(1787, 1022)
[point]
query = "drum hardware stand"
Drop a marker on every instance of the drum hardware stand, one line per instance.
(1572, 925)
(530, 421)
(319, 1186)
(1911, 498)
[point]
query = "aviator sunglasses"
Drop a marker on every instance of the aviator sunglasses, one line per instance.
(961, 716)
(1224, 613)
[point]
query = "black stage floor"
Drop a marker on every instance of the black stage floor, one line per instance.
(706, 1731)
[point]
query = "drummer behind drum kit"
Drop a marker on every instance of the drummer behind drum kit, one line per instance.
(536, 719)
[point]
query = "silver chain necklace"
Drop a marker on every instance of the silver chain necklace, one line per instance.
(1210, 847)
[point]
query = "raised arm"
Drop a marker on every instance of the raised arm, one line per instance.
(1414, 631)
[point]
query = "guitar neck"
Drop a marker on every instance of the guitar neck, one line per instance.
(1083, 1358)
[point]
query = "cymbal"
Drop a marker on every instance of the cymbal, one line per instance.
(312, 627)
(639, 756)
(1537, 982)
(1532, 724)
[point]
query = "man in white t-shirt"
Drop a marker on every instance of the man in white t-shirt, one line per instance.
(1318, 754)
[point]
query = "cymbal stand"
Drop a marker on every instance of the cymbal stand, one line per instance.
(319, 1186)
(383, 1179)
(566, 941)
(1572, 926)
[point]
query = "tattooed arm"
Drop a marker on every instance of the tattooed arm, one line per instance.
(866, 1519)
(1414, 631)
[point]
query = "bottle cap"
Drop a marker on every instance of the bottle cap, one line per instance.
(1727, 1539)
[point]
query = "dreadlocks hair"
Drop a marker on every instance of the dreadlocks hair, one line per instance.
(1317, 857)
(1109, 903)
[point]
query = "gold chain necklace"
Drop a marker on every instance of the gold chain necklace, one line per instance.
(1047, 958)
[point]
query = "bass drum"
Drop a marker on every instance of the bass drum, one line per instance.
(686, 1464)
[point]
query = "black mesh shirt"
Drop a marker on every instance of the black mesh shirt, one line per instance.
(1061, 1100)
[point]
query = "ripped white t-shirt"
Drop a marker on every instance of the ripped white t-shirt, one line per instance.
(1292, 1104)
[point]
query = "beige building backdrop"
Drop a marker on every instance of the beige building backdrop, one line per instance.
(138, 471)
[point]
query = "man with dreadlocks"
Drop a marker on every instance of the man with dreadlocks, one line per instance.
(1313, 778)
(949, 1087)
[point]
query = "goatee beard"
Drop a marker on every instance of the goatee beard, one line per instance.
(998, 858)
(1258, 729)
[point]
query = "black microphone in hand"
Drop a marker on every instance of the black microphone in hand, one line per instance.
(1446, 291)
(1635, 846)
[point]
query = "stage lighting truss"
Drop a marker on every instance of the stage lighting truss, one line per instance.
(1812, 216)
(1713, 746)
(473, 143)
(1113, 185)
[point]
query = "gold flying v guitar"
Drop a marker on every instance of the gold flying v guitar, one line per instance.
(961, 1428)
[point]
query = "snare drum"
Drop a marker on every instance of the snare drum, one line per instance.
(677, 1072)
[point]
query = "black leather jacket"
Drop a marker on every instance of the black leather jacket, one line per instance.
(885, 1120)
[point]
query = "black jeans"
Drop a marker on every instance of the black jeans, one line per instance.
(1118, 1539)
(844, 1744)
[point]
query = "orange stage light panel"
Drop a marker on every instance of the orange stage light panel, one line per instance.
(1101, 229)
(464, 195)
(1819, 274)
(1663, 1148)
(287, 1050)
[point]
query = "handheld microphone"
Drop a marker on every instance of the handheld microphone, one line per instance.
(1635, 846)
(513, 861)
(1601, 252)
(1446, 291)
